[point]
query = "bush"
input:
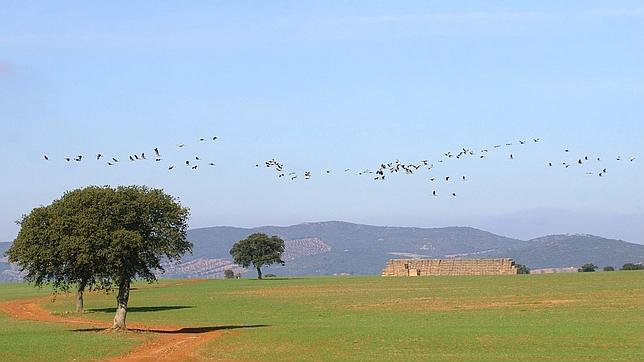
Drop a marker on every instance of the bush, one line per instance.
(631, 266)
(229, 274)
(270, 275)
(609, 268)
(588, 267)
(523, 269)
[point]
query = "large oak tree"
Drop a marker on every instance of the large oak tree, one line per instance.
(101, 238)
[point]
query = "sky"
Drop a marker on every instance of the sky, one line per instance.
(332, 85)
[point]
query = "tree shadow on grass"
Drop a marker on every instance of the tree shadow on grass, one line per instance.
(159, 308)
(186, 330)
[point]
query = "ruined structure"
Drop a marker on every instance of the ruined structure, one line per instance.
(423, 267)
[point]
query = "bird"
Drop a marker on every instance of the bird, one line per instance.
(67, 159)
(114, 159)
(434, 193)
(180, 145)
(156, 152)
(535, 140)
(453, 193)
(171, 167)
(194, 167)
(212, 164)
(511, 157)
(131, 158)
(522, 142)
(98, 157)
(446, 178)
(202, 139)
(214, 138)
(632, 159)
(197, 158)
(46, 158)
(110, 164)
(549, 163)
(143, 155)
(188, 163)
(566, 150)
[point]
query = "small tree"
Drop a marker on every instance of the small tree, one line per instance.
(522, 269)
(588, 267)
(258, 249)
(229, 274)
(631, 266)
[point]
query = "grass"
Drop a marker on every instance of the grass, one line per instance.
(578, 316)
(36, 341)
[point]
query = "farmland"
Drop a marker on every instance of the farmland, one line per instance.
(579, 316)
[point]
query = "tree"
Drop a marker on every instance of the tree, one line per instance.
(258, 249)
(522, 269)
(101, 238)
(609, 268)
(229, 274)
(588, 267)
(631, 266)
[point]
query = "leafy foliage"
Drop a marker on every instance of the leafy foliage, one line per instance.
(609, 268)
(229, 274)
(258, 249)
(588, 267)
(631, 266)
(523, 269)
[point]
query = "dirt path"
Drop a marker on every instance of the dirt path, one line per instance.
(168, 343)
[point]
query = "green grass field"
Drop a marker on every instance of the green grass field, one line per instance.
(558, 317)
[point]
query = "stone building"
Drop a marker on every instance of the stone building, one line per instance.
(423, 267)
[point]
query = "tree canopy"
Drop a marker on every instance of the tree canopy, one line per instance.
(101, 237)
(258, 249)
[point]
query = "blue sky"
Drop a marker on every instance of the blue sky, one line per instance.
(332, 85)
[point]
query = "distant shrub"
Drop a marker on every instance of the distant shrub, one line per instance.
(588, 267)
(523, 269)
(609, 268)
(631, 266)
(229, 274)
(270, 275)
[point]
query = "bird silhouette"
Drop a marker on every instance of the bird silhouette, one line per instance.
(98, 157)
(46, 158)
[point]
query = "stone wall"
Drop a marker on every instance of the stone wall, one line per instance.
(423, 267)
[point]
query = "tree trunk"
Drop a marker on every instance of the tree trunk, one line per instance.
(79, 301)
(121, 305)
(259, 273)
(80, 306)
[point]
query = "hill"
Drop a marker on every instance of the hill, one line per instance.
(364, 249)
(334, 247)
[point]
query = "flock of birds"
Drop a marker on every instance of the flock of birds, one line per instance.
(193, 162)
(381, 172)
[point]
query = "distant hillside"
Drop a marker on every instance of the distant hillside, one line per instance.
(338, 247)
(574, 250)
(364, 249)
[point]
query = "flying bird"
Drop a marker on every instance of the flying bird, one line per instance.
(46, 158)
(98, 157)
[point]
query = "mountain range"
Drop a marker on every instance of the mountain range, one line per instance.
(334, 247)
